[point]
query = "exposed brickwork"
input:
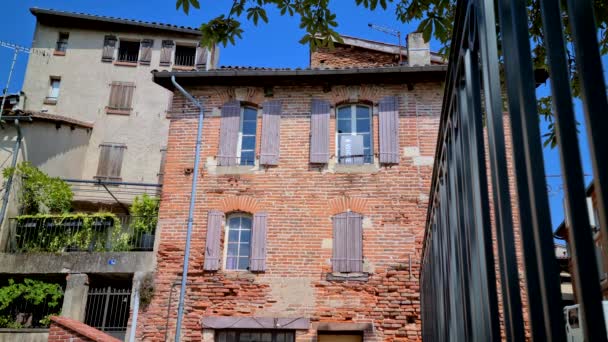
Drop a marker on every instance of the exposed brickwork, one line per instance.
(300, 200)
(344, 56)
(65, 329)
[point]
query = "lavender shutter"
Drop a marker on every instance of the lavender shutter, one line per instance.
(271, 123)
(109, 44)
(389, 130)
(339, 243)
(229, 133)
(257, 262)
(201, 57)
(212, 244)
(319, 132)
(145, 54)
(354, 251)
(166, 50)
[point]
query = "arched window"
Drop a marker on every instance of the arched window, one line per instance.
(238, 241)
(354, 134)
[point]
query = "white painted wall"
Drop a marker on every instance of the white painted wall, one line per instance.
(85, 91)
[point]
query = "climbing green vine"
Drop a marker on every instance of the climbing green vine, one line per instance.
(33, 292)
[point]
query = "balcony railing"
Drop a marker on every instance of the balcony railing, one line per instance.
(79, 233)
(459, 296)
(184, 60)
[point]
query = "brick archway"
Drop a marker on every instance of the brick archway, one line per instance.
(342, 204)
(240, 203)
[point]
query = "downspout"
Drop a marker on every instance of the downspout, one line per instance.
(199, 137)
(9, 181)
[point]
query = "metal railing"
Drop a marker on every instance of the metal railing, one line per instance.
(77, 234)
(459, 295)
(24, 314)
(108, 310)
(184, 60)
(130, 57)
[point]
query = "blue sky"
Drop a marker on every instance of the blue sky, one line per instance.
(274, 45)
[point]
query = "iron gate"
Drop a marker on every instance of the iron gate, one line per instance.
(458, 282)
(108, 309)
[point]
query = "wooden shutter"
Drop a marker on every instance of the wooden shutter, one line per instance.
(201, 57)
(109, 44)
(271, 123)
(163, 161)
(257, 262)
(229, 133)
(145, 54)
(212, 244)
(347, 242)
(389, 130)
(319, 132)
(110, 161)
(166, 51)
(121, 96)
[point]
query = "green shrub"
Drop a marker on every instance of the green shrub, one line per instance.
(144, 212)
(40, 193)
(33, 292)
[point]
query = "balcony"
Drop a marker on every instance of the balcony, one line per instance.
(80, 233)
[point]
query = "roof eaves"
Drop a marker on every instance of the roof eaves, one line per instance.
(132, 22)
(47, 117)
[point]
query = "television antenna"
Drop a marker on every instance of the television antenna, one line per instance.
(16, 50)
(392, 32)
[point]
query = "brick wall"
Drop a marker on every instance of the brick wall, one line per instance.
(299, 199)
(344, 56)
(65, 329)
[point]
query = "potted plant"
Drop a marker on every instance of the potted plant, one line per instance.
(144, 217)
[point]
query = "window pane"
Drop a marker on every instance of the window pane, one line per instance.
(344, 113)
(362, 112)
(245, 235)
(250, 114)
(234, 222)
(243, 263)
(247, 158)
(248, 143)
(246, 222)
(245, 250)
(367, 141)
(231, 263)
(233, 235)
(233, 249)
(249, 127)
(344, 126)
(363, 125)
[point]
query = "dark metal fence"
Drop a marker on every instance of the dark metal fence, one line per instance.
(458, 282)
(108, 309)
(80, 233)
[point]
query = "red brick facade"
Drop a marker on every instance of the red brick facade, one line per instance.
(345, 56)
(65, 329)
(300, 200)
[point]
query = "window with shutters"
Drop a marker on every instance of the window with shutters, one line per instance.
(354, 134)
(247, 135)
(121, 98)
(62, 44)
(110, 161)
(238, 241)
(347, 243)
(185, 55)
(128, 51)
(54, 84)
(145, 53)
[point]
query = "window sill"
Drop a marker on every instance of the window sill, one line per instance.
(339, 276)
(235, 170)
(358, 168)
(58, 53)
(107, 179)
(184, 68)
(118, 111)
(50, 102)
(127, 64)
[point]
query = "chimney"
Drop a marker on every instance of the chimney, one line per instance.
(418, 51)
(213, 58)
